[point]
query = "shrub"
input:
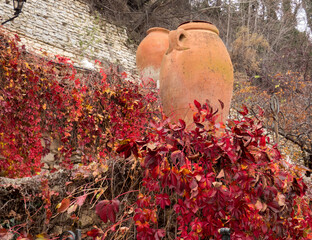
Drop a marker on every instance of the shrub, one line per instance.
(198, 181)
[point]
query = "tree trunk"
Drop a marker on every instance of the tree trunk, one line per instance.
(227, 41)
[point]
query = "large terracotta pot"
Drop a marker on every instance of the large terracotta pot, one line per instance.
(196, 66)
(151, 51)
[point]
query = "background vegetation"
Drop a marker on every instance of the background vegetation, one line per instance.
(266, 47)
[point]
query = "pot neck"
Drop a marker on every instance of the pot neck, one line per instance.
(157, 29)
(199, 25)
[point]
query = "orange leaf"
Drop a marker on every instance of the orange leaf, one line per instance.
(62, 207)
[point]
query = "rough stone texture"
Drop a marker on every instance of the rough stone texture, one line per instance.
(66, 27)
(50, 161)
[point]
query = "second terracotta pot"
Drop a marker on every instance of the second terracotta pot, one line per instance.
(196, 66)
(151, 51)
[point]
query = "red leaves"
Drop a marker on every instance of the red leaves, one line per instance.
(180, 126)
(299, 187)
(198, 105)
(128, 148)
(245, 111)
(159, 234)
(274, 206)
(196, 117)
(194, 188)
(77, 82)
(142, 227)
(152, 159)
(162, 200)
(178, 157)
(212, 179)
(107, 210)
(263, 141)
(93, 233)
(88, 114)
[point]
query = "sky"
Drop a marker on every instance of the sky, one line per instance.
(302, 22)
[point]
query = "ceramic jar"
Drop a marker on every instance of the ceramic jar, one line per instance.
(197, 66)
(151, 51)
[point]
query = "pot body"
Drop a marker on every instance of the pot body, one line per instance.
(197, 66)
(150, 53)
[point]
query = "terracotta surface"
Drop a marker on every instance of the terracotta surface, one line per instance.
(196, 66)
(151, 51)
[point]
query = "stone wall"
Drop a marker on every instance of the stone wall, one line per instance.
(66, 27)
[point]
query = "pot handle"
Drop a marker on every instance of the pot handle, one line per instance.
(177, 40)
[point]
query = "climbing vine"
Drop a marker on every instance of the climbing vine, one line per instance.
(42, 101)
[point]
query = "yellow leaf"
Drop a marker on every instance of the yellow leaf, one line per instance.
(104, 167)
(27, 65)
(41, 236)
(251, 206)
(109, 92)
(244, 166)
(185, 171)
(89, 107)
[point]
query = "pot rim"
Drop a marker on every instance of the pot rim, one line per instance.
(199, 24)
(153, 29)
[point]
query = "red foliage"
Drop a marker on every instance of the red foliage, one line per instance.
(41, 101)
(107, 210)
(199, 181)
